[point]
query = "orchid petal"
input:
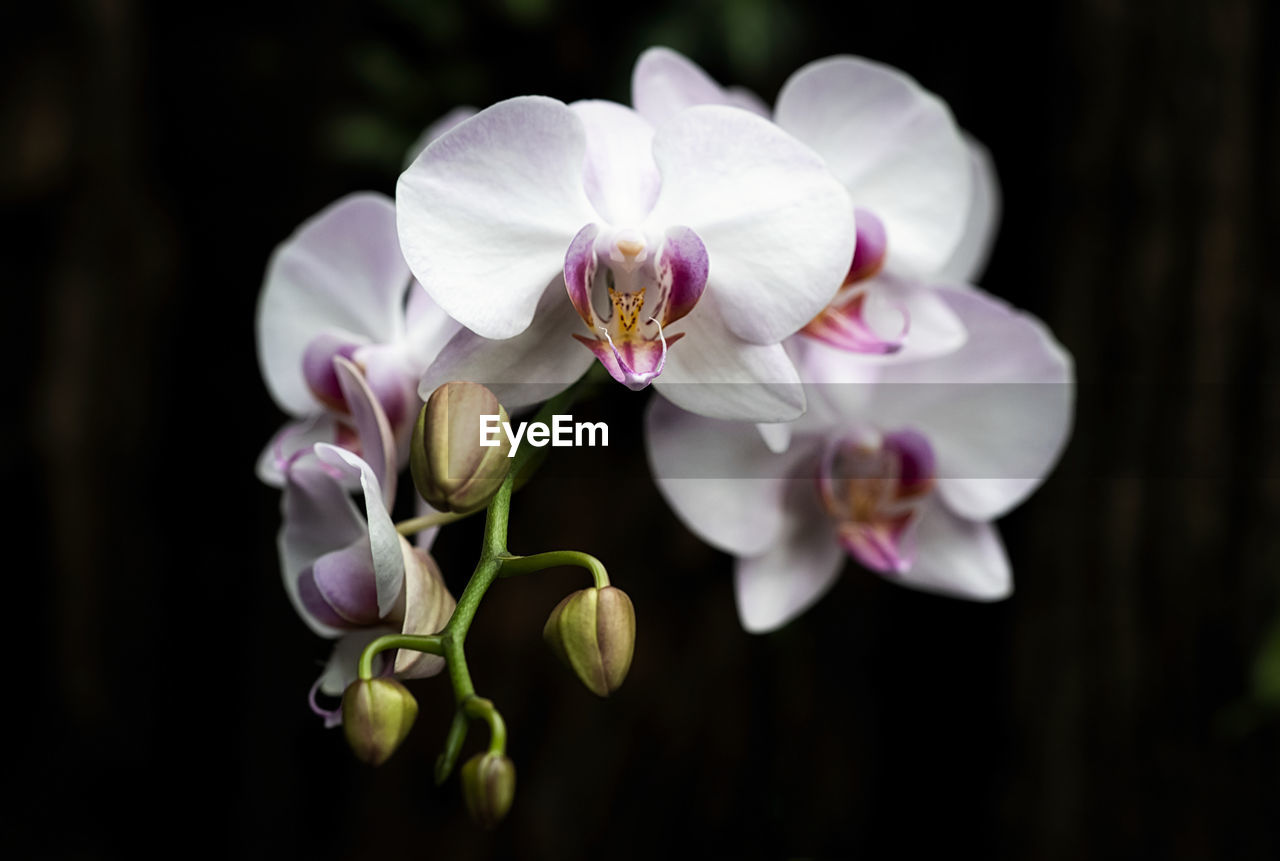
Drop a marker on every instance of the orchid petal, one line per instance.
(620, 176)
(774, 587)
(377, 445)
(957, 557)
(427, 329)
(970, 257)
(428, 606)
(344, 581)
(486, 212)
(580, 264)
(541, 362)
(291, 440)
(776, 435)
(895, 147)
(384, 541)
(714, 373)
(340, 272)
(719, 477)
(442, 125)
(682, 272)
(319, 517)
(664, 82)
(997, 412)
(777, 226)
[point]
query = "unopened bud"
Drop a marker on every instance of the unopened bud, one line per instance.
(488, 787)
(593, 631)
(451, 468)
(377, 714)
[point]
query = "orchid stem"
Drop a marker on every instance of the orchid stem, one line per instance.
(430, 644)
(426, 521)
(513, 566)
(494, 562)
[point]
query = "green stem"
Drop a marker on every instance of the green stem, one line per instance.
(438, 518)
(513, 566)
(431, 644)
(494, 562)
(478, 708)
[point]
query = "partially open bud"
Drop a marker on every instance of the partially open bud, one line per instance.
(488, 787)
(377, 714)
(451, 467)
(594, 632)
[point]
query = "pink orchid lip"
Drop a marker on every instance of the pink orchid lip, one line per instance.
(646, 292)
(873, 489)
(843, 324)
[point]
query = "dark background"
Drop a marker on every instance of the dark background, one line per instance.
(152, 155)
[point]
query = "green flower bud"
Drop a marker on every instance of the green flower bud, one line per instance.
(451, 469)
(593, 631)
(488, 787)
(377, 714)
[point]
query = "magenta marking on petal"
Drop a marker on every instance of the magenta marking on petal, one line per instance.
(877, 547)
(580, 272)
(842, 325)
(870, 247)
(317, 369)
(917, 465)
(632, 362)
(682, 273)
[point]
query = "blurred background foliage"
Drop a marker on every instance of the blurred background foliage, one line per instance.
(1123, 703)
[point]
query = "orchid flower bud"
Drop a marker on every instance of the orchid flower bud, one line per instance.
(593, 631)
(488, 787)
(377, 714)
(456, 465)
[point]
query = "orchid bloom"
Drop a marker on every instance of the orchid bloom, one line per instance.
(339, 288)
(926, 200)
(558, 234)
(904, 473)
(348, 573)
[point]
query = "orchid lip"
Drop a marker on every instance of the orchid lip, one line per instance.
(873, 486)
(638, 292)
(843, 324)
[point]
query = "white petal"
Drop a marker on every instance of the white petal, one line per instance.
(776, 435)
(294, 437)
(970, 257)
(542, 361)
(774, 587)
(719, 477)
(997, 412)
(384, 541)
(342, 272)
(428, 606)
(712, 372)
(620, 176)
(377, 444)
(894, 146)
(427, 329)
(664, 83)
(777, 226)
(436, 129)
(958, 557)
(487, 212)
